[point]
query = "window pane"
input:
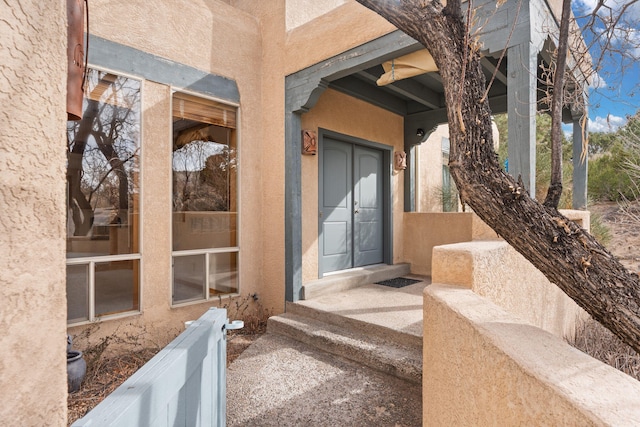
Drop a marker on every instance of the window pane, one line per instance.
(77, 293)
(188, 278)
(223, 273)
(117, 287)
(103, 169)
(204, 182)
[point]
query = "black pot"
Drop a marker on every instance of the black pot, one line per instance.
(76, 369)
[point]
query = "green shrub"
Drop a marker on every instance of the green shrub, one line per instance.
(608, 174)
(599, 230)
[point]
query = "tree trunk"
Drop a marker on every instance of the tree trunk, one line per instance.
(555, 187)
(566, 254)
(82, 211)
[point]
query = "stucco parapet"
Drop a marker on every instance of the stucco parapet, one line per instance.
(582, 218)
(558, 377)
(332, 33)
(457, 263)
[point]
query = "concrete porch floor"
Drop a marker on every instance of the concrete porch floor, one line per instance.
(315, 365)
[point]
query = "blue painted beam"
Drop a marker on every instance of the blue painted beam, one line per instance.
(120, 58)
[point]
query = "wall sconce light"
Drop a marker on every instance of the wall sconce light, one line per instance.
(400, 160)
(420, 132)
(309, 143)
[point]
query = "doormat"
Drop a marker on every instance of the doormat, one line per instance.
(398, 282)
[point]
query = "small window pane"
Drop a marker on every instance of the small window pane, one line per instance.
(223, 273)
(103, 169)
(77, 293)
(188, 278)
(117, 288)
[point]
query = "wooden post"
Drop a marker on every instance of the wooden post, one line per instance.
(521, 99)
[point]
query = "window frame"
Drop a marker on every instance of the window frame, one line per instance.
(207, 251)
(91, 261)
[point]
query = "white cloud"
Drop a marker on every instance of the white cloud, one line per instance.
(606, 124)
(632, 10)
(597, 82)
(625, 36)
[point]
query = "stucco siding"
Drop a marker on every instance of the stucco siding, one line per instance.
(216, 38)
(300, 12)
(33, 60)
(341, 29)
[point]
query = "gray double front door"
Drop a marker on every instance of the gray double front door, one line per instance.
(351, 206)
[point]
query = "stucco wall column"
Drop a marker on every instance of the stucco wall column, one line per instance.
(521, 101)
(580, 167)
(33, 68)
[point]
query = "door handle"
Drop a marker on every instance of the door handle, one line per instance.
(356, 211)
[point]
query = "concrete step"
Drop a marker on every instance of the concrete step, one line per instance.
(385, 329)
(352, 278)
(391, 357)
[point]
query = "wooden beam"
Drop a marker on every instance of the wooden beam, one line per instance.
(409, 88)
(488, 65)
(362, 90)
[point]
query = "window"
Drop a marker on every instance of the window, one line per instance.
(103, 260)
(205, 202)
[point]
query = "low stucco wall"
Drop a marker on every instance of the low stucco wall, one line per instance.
(485, 366)
(424, 231)
(494, 270)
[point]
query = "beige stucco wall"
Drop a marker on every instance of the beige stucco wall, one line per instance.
(424, 231)
(33, 61)
(215, 37)
(270, 17)
(429, 161)
(340, 113)
(330, 34)
(483, 366)
(300, 12)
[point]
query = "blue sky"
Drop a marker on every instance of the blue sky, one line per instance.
(616, 89)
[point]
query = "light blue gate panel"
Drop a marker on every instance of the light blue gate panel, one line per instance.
(183, 385)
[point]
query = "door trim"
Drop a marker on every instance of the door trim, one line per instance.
(387, 190)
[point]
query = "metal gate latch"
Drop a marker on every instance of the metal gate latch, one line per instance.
(236, 324)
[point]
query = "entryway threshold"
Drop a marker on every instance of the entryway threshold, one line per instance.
(352, 278)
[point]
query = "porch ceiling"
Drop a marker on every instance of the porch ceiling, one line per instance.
(424, 93)
(419, 94)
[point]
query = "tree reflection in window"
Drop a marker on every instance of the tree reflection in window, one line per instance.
(205, 202)
(103, 164)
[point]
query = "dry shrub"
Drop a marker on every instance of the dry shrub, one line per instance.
(103, 376)
(250, 311)
(600, 343)
(110, 361)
